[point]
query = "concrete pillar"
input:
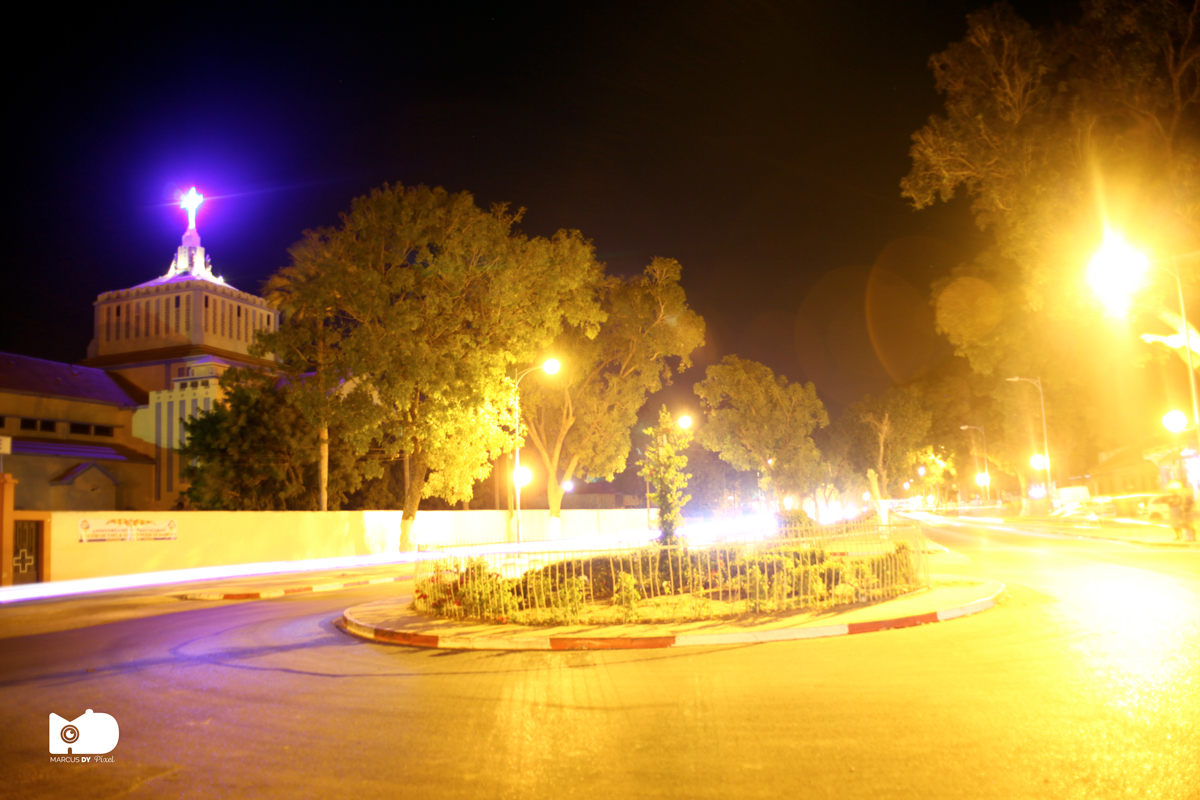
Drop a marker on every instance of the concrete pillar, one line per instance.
(8, 491)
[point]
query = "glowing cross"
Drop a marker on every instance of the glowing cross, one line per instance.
(191, 201)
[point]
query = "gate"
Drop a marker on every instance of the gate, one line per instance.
(27, 550)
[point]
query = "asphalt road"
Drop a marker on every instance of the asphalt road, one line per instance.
(1084, 682)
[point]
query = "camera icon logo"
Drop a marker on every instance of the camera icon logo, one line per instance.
(89, 734)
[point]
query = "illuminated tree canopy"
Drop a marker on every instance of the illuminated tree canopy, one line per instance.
(758, 421)
(1054, 134)
(419, 302)
(580, 420)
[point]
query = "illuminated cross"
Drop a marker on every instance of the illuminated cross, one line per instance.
(23, 561)
(191, 201)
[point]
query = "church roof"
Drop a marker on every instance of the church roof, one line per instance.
(184, 277)
(36, 376)
(59, 448)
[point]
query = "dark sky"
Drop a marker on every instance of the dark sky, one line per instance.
(761, 144)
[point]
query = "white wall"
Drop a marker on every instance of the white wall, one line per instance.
(215, 538)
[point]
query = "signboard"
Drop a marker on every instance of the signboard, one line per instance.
(126, 529)
(5, 445)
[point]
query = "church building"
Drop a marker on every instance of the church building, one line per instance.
(103, 434)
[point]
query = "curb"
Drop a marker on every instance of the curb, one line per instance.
(484, 642)
(267, 594)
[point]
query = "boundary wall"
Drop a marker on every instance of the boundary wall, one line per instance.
(170, 540)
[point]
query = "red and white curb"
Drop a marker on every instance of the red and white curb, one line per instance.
(318, 587)
(484, 642)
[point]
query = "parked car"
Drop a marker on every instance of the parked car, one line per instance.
(1157, 508)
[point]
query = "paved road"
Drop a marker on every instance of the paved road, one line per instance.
(1082, 683)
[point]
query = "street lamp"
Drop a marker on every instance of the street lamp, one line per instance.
(1045, 439)
(1117, 270)
(523, 476)
(987, 482)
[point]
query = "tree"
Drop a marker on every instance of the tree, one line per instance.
(580, 421)
(432, 300)
(892, 431)
(1054, 135)
(310, 345)
(757, 421)
(255, 451)
(663, 465)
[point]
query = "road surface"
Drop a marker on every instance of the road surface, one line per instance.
(1083, 682)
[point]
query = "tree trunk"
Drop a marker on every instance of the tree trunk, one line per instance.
(414, 484)
(554, 496)
(323, 467)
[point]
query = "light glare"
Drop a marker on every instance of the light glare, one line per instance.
(1116, 271)
(1174, 421)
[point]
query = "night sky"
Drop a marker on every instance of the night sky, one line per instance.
(760, 144)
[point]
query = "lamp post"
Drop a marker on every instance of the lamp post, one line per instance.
(549, 366)
(987, 484)
(1117, 269)
(1045, 439)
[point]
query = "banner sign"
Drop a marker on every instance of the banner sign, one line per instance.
(128, 529)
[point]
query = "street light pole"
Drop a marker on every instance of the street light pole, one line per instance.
(1187, 339)
(987, 487)
(1045, 438)
(550, 366)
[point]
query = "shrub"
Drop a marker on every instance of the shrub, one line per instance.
(626, 597)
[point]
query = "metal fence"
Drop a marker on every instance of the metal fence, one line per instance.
(798, 568)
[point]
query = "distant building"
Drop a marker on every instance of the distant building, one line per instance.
(103, 434)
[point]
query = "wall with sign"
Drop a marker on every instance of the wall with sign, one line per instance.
(91, 544)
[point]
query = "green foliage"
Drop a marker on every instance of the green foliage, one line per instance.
(889, 433)
(1054, 134)
(255, 451)
(668, 582)
(757, 421)
(626, 597)
(580, 420)
(412, 309)
(662, 464)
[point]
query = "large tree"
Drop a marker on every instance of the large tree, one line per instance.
(1055, 134)
(256, 451)
(580, 421)
(434, 299)
(758, 421)
(891, 433)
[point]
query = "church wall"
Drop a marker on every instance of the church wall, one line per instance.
(65, 410)
(34, 491)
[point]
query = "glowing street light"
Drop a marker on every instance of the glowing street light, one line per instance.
(685, 422)
(568, 486)
(1038, 461)
(1174, 421)
(1116, 271)
(987, 483)
(522, 477)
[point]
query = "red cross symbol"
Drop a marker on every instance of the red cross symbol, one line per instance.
(23, 561)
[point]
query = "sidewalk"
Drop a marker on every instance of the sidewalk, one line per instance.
(392, 621)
